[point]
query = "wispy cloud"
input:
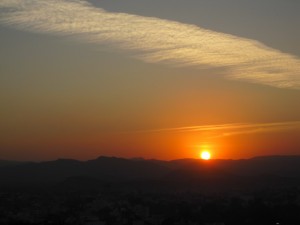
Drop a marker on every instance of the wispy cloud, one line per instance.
(156, 40)
(222, 130)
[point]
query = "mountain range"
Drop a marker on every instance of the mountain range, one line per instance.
(267, 171)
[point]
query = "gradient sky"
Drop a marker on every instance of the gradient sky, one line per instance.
(156, 79)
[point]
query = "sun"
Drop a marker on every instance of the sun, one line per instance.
(205, 155)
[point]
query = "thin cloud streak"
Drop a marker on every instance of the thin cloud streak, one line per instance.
(222, 130)
(156, 40)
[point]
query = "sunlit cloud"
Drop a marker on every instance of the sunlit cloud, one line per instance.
(224, 130)
(156, 40)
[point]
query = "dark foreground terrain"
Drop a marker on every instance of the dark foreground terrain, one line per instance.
(114, 191)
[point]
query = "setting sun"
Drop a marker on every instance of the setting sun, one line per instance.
(205, 155)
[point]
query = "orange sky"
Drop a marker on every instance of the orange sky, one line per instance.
(89, 81)
(223, 141)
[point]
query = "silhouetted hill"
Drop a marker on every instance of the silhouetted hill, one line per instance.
(269, 171)
(10, 163)
(103, 168)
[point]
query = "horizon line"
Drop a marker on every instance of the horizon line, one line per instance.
(146, 159)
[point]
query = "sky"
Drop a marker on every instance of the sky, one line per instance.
(160, 79)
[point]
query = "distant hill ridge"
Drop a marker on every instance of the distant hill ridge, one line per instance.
(10, 163)
(269, 169)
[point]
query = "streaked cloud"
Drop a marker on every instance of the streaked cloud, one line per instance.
(156, 40)
(222, 130)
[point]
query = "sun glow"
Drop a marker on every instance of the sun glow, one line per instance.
(205, 155)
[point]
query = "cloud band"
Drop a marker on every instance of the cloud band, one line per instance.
(156, 40)
(221, 130)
